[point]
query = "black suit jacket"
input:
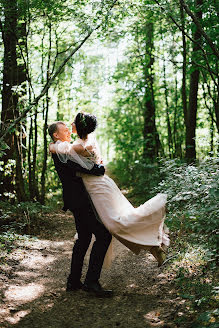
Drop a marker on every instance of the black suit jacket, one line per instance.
(74, 192)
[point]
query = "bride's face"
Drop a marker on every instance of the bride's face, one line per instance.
(63, 133)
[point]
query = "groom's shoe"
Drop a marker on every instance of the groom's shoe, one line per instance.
(71, 286)
(94, 288)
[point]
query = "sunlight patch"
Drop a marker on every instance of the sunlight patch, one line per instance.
(24, 294)
(37, 261)
(27, 274)
(153, 317)
(193, 259)
(19, 315)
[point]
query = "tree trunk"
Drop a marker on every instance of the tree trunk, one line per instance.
(216, 104)
(35, 178)
(176, 125)
(151, 138)
(193, 95)
(13, 75)
(43, 176)
(212, 137)
(31, 192)
(183, 89)
(20, 188)
(169, 132)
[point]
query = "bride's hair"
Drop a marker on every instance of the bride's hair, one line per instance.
(85, 124)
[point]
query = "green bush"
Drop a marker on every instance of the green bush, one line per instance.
(138, 178)
(193, 195)
(21, 217)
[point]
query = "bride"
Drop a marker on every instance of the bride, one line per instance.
(137, 228)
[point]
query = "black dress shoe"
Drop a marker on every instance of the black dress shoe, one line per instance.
(73, 286)
(94, 288)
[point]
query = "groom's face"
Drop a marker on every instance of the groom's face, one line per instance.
(63, 133)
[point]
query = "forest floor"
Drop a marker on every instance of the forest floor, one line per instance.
(33, 282)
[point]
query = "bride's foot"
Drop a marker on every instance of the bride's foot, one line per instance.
(164, 248)
(159, 254)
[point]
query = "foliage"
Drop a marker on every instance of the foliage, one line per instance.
(193, 221)
(193, 268)
(193, 195)
(9, 241)
(139, 179)
(24, 217)
(108, 77)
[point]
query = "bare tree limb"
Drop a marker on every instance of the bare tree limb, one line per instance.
(191, 39)
(199, 27)
(45, 88)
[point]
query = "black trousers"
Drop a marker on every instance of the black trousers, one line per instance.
(86, 225)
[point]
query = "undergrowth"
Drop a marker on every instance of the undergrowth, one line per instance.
(24, 217)
(193, 213)
(19, 222)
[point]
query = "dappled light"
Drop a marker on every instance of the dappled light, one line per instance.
(38, 261)
(31, 280)
(110, 112)
(35, 288)
(15, 318)
(23, 294)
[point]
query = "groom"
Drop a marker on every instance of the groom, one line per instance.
(87, 222)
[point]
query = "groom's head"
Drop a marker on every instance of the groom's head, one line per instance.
(59, 131)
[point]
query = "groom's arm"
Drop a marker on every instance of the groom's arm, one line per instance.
(98, 169)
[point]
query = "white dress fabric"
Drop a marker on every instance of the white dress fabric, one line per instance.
(137, 228)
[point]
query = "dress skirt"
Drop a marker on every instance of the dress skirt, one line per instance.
(136, 228)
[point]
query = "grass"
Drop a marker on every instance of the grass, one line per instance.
(194, 272)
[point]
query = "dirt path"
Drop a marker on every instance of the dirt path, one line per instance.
(33, 288)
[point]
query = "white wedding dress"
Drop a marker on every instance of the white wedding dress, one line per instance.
(137, 228)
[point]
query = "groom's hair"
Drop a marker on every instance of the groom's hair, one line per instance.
(52, 128)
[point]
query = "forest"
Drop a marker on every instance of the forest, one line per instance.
(148, 70)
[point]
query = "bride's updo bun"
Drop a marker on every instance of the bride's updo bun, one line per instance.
(85, 124)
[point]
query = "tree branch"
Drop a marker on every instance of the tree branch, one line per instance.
(199, 27)
(45, 88)
(191, 39)
(51, 80)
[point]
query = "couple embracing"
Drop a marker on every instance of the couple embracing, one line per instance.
(99, 207)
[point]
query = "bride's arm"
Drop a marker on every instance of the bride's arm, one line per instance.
(97, 169)
(79, 149)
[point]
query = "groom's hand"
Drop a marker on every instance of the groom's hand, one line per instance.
(98, 169)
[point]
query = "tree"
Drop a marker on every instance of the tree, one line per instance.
(191, 113)
(14, 75)
(151, 138)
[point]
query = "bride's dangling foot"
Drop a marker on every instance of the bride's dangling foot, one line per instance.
(164, 248)
(159, 254)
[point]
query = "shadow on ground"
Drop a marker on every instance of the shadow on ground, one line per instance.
(33, 288)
